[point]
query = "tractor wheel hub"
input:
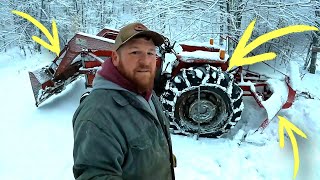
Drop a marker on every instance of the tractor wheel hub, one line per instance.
(202, 111)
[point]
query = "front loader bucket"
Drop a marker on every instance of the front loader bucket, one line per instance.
(40, 79)
(65, 68)
(44, 84)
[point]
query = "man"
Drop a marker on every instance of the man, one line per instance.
(120, 130)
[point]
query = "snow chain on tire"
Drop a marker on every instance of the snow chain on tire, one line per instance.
(202, 100)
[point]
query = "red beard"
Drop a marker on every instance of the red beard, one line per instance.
(142, 81)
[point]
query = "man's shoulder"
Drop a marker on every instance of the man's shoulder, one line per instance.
(96, 106)
(97, 95)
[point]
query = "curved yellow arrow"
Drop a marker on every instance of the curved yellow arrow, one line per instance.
(285, 124)
(238, 58)
(54, 40)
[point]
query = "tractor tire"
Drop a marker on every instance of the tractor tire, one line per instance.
(202, 101)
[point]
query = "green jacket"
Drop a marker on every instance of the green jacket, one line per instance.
(118, 136)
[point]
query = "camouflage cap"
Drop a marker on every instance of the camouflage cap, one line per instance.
(132, 30)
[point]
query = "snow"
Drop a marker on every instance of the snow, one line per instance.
(294, 75)
(169, 62)
(220, 77)
(199, 73)
(184, 75)
(202, 44)
(213, 56)
(177, 80)
(278, 98)
(310, 83)
(90, 69)
(42, 76)
(37, 143)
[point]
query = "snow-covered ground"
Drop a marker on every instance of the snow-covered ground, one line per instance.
(36, 143)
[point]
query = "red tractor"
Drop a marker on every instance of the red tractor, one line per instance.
(198, 94)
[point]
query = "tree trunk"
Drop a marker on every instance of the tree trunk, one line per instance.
(223, 8)
(312, 68)
(162, 18)
(38, 46)
(234, 8)
(230, 43)
(315, 40)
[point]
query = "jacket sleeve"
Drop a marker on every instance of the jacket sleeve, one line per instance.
(97, 154)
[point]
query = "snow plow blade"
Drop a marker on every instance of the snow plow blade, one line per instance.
(282, 98)
(283, 94)
(272, 95)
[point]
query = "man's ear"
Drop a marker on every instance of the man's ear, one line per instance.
(115, 58)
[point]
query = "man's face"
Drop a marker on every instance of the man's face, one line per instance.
(136, 61)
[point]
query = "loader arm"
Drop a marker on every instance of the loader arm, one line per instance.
(78, 43)
(65, 68)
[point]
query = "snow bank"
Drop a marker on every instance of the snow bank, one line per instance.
(294, 75)
(310, 83)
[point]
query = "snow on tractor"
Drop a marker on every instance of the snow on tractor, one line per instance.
(199, 96)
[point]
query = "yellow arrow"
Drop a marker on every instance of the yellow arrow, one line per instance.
(285, 124)
(238, 58)
(54, 40)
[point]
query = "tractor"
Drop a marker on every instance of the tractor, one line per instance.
(199, 96)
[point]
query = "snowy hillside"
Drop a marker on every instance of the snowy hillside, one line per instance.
(36, 143)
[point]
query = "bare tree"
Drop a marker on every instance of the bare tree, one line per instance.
(315, 40)
(181, 20)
